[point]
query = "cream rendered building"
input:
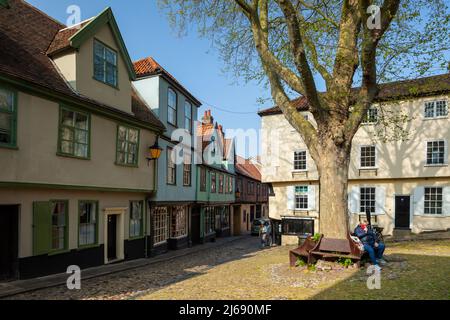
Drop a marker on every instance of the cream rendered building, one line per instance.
(74, 140)
(405, 183)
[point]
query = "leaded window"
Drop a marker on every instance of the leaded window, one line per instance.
(136, 219)
(74, 133)
(105, 64)
(8, 117)
(127, 146)
(88, 212)
(160, 224)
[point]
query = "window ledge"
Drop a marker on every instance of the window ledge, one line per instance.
(11, 147)
(368, 168)
(57, 252)
(300, 171)
(435, 118)
(88, 246)
(126, 165)
(60, 154)
(136, 238)
(436, 165)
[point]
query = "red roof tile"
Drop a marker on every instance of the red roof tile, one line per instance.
(25, 35)
(61, 40)
(149, 67)
(247, 168)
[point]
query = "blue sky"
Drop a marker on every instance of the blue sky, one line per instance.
(190, 59)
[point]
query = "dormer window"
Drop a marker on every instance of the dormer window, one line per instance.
(105, 64)
(371, 116)
(436, 109)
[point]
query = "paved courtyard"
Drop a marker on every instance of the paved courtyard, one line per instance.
(240, 270)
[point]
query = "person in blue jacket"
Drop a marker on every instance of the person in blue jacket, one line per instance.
(368, 238)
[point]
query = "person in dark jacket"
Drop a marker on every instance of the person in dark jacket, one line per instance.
(368, 238)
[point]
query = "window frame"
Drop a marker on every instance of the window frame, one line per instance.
(360, 204)
(213, 185)
(95, 244)
(285, 221)
(186, 102)
(366, 120)
(105, 62)
(444, 156)
(434, 103)
(136, 162)
(221, 183)
(175, 123)
(187, 173)
(298, 162)
(178, 233)
(174, 168)
(63, 107)
(66, 230)
(14, 115)
(299, 195)
(203, 179)
(142, 228)
(375, 166)
(166, 229)
(436, 214)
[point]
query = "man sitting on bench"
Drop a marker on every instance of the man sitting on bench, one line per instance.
(371, 246)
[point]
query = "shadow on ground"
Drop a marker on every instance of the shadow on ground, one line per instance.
(407, 276)
(148, 279)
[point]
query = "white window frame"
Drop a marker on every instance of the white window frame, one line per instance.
(434, 103)
(306, 161)
(160, 217)
(366, 117)
(374, 199)
(179, 222)
(445, 163)
(301, 194)
(360, 155)
(442, 214)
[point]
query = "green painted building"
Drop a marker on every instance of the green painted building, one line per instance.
(215, 193)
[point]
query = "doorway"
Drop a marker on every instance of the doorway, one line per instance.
(237, 220)
(195, 226)
(114, 234)
(9, 242)
(112, 237)
(402, 212)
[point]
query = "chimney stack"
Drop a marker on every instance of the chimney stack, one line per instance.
(208, 118)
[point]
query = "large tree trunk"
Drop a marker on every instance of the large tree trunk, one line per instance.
(333, 164)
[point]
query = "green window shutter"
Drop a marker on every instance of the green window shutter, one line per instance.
(42, 228)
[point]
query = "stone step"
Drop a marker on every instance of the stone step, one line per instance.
(402, 234)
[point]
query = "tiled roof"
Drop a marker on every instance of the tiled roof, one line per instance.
(247, 168)
(427, 86)
(149, 67)
(61, 39)
(25, 35)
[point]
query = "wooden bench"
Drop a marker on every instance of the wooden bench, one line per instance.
(327, 249)
(303, 252)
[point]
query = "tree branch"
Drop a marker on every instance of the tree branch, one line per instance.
(300, 58)
(371, 38)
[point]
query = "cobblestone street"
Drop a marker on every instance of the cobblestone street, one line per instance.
(240, 270)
